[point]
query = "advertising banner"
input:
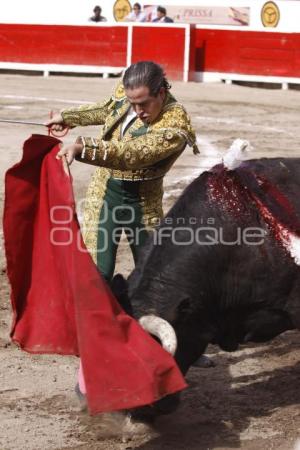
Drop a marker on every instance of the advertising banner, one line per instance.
(208, 15)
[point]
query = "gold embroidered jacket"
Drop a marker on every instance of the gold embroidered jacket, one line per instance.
(144, 155)
(145, 152)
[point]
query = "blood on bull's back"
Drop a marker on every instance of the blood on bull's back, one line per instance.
(222, 266)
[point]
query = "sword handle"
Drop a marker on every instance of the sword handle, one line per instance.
(57, 134)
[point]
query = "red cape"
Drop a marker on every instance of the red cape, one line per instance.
(60, 302)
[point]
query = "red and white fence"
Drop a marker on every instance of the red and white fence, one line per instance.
(241, 54)
(187, 52)
(95, 49)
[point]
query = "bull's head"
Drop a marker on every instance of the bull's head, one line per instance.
(154, 325)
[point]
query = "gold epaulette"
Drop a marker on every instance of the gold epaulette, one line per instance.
(119, 92)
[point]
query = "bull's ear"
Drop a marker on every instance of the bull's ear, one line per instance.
(119, 287)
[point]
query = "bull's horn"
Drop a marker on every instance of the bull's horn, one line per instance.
(161, 329)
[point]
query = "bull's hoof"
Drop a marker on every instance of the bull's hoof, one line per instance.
(164, 406)
(204, 362)
(144, 414)
(132, 427)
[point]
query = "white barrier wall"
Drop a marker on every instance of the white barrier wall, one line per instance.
(77, 12)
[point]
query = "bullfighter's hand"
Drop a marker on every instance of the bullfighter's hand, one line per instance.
(69, 151)
(56, 123)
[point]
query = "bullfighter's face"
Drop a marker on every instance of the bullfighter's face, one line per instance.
(146, 106)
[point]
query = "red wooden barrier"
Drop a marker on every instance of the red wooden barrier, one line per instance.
(166, 47)
(184, 51)
(248, 52)
(94, 48)
(63, 44)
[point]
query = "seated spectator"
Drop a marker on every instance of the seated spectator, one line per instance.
(97, 15)
(161, 13)
(136, 14)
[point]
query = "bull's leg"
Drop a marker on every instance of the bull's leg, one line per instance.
(190, 348)
(191, 345)
(186, 356)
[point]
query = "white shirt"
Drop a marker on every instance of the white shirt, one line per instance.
(132, 17)
(130, 116)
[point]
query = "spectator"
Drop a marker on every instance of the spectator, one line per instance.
(136, 14)
(161, 13)
(97, 15)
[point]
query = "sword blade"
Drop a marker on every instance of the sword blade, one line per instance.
(22, 122)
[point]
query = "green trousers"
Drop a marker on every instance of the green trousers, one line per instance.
(121, 211)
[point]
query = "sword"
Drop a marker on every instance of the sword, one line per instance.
(22, 122)
(39, 124)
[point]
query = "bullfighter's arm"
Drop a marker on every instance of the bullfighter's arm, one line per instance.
(91, 114)
(137, 153)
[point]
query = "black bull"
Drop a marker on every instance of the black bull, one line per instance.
(221, 267)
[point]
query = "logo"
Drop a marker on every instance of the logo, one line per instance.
(121, 9)
(270, 15)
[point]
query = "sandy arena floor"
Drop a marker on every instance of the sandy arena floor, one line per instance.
(250, 400)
